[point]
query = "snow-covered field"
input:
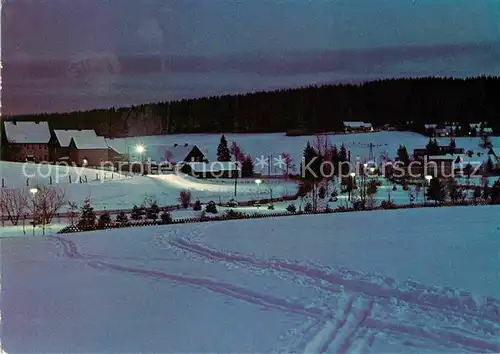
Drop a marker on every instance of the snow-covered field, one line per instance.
(405, 281)
(275, 144)
(123, 192)
(16, 175)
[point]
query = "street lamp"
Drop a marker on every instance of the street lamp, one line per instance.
(351, 184)
(34, 191)
(140, 149)
(428, 181)
(258, 181)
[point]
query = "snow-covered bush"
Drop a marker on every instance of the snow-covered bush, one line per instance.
(166, 218)
(211, 208)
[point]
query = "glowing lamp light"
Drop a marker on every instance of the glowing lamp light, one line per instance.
(34, 191)
(140, 148)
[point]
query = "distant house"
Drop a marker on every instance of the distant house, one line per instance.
(28, 141)
(212, 170)
(442, 132)
(438, 130)
(357, 127)
(419, 153)
(478, 129)
(440, 165)
(61, 140)
(88, 151)
(181, 153)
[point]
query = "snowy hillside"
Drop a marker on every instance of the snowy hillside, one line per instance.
(15, 174)
(165, 189)
(276, 144)
(414, 281)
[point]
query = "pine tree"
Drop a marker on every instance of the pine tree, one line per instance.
(343, 158)
(223, 153)
(136, 213)
(432, 147)
(87, 216)
(486, 189)
(455, 191)
(312, 160)
(477, 193)
(495, 193)
(322, 192)
(211, 208)
(490, 167)
(403, 155)
(121, 217)
(343, 153)
(437, 190)
(153, 211)
(104, 219)
(247, 168)
(335, 159)
(166, 218)
(197, 206)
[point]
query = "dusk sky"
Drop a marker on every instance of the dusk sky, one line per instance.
(64, 55)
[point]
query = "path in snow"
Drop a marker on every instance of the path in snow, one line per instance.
(368, 308)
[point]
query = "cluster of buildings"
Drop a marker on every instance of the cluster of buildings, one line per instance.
(448, 161)
(452, 129)
(37, 142)
(358, 127)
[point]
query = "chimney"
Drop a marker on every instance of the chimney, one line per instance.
(175, 145)
(186, 144)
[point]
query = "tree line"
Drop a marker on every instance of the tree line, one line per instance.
(312, 109)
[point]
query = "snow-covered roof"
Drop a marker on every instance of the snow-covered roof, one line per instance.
(488, 130)
(214, 166)
(64, 136)
(178, 152)
(90, 143)
(27, 132)
(357, 125)
(442, 157)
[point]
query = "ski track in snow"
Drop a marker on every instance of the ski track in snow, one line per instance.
(368, 306)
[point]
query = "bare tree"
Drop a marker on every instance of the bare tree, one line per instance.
(46, 203)
(13, 203)
(322, 145)
(289, 166)
(72, 206)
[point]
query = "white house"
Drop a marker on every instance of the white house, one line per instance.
(29, 140)
(61, 140)
(358, 127)
(480, 128)
(179, 153)
(88, 150)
